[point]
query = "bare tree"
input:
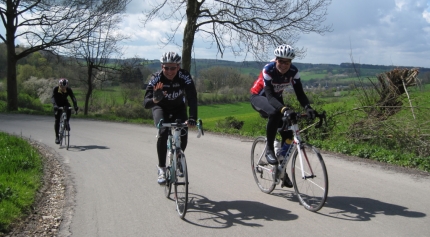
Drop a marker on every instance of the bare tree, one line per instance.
(99, 53)
(45, 24)
(250, 26)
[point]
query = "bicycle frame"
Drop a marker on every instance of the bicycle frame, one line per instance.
(295, 147)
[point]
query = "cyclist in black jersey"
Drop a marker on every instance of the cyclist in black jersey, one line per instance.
(165, 95)
(59, 99)
(266, 96)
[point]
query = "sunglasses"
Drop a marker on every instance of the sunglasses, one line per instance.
(170, 68)
(284, 61)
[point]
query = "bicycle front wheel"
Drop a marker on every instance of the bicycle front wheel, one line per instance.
(168, 187)
(181, 185)
(66, 137)
(262, 171)
(310, 178)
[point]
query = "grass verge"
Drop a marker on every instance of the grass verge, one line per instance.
(21, 172)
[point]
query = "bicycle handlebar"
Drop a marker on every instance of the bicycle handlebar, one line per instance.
(178, 124)
(65, 107)
(294, 117)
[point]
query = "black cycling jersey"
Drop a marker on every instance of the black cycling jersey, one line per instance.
(59, 98)
(181, 87)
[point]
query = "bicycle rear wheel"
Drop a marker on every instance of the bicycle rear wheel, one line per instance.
(312, 187)
(262, 171)
(181, 185)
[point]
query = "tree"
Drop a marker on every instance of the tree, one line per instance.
(253, 26)
(46, 24)
(94, 53)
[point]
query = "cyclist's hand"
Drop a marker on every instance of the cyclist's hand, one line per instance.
(158, 92)
(310, 112)
(191, 122)
(55, 108)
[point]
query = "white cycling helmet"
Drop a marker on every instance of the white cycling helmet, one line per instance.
(170, 57)
(284, 51)
(63, 82)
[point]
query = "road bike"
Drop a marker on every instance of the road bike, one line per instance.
(308, 170)
(176, 164)
(64, 131)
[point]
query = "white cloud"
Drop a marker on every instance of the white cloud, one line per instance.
(426, 16)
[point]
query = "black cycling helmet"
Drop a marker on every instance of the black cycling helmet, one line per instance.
(170, 57)
(63, 82)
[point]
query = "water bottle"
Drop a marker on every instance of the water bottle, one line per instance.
(285, 147)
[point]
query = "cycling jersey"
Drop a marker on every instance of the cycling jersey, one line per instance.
(59, 98)
(181, 87)
(271, 83)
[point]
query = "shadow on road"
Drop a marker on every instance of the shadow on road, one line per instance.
(363, 209)
(356, 208)
(225, 214)
(84, 148)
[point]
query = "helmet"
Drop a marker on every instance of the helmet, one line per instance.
(170, 57)
(284, 51)
(63, 82)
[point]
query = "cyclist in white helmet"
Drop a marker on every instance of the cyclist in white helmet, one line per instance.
(59, 99)
(266, 97)
(165, 95)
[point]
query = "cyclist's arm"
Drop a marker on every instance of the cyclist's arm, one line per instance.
(72, 96)
(149, 94)
(191, 93)
(54, 92)
(270, 95)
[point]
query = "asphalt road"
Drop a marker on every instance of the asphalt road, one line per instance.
(112, 167)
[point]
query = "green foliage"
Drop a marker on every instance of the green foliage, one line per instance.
(20, 178)
(26, 101)
(229, 122)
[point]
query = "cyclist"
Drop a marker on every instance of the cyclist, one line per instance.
(165, 95)
(59, 99)
(266, 97)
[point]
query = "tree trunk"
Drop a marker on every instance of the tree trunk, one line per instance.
(12, 85)
(189, 32)
(90, 88)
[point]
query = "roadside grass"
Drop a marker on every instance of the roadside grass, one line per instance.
(21, 172)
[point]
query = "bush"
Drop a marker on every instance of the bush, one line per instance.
(26, 101)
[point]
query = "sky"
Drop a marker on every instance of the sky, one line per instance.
(378, 32)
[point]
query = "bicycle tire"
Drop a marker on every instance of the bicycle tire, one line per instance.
(181, 186)
(168, 186)
(311, 191)
(262, 171)
(67, 136)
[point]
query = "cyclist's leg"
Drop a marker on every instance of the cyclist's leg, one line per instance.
(158, 114)
(262, 105)
(182, 115)
(57, 124)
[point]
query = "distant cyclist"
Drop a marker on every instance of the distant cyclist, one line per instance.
(59, 99)
(266, 96)
(165, 95)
